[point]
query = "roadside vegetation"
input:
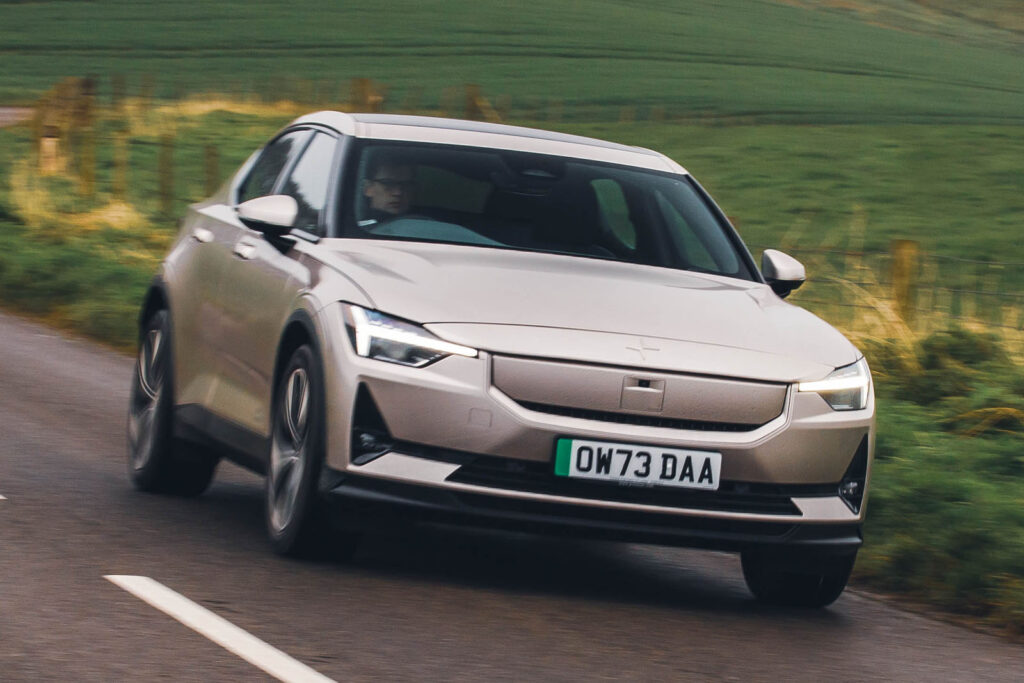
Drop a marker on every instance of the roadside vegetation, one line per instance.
(818, 159)
(946, 512)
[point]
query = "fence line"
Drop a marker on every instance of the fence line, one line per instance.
(917, 288)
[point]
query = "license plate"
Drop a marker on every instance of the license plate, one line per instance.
(629, 463)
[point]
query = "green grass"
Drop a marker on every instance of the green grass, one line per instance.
(946, 512)
(71, 285)
(735, 58)
(959, 190)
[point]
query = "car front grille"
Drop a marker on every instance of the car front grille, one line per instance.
(537, 477)
(640, 420)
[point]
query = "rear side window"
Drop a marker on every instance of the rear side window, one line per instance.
(274, 159)
(307, 183)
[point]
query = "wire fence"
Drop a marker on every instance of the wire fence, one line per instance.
(906, 291)
(868, 292)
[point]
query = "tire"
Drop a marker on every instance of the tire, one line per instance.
(776, 582)
(157, 461)
(297, 523)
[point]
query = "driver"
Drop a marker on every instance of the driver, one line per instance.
(389, 187)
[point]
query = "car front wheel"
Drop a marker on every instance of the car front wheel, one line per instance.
(296, 521)
(779, 581)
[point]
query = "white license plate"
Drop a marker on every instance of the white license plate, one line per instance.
(631, 463)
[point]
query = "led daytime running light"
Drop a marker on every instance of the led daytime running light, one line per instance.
(366, 331)
(846, 388)
(837, 384)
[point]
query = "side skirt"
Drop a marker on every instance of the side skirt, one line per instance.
(238, 444)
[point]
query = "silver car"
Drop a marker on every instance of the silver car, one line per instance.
(395, 316)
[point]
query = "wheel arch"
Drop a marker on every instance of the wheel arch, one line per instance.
(156, 299)
(298, 330)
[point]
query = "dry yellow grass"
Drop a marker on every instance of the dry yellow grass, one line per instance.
(32, 199)
(988, 420)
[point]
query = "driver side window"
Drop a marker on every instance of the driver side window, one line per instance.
(275, 158)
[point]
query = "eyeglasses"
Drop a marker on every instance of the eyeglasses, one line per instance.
(391, 184)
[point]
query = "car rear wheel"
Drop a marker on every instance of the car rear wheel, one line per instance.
(157, 461)
(781, 581)
(297, 523)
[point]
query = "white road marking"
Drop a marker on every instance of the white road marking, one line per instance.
(219, 630)
(3, 498)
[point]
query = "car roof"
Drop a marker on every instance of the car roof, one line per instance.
(489, 135)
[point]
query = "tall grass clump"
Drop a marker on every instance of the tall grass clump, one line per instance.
(946, 512)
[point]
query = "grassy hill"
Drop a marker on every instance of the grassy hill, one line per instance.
(770, 61)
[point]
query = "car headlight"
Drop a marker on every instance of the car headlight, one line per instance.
(844, 389)
(379, 336)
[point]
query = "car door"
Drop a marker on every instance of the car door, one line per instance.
(198, 264)
(197, 305)
(261, 285)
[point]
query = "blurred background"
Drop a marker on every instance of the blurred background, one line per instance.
(879, 141)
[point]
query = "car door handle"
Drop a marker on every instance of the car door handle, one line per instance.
(245, 250)
(202, 235)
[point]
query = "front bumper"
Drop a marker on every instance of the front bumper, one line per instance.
(374, 501)
(442, 417)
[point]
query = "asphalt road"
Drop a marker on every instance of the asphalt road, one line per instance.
(428, 603)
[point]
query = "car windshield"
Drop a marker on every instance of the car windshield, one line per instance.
(538, 203)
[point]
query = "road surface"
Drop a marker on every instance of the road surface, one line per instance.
(426, 604)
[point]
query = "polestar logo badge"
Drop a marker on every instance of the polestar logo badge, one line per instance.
(642, 348)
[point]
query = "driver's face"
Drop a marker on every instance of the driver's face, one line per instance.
(391, 189)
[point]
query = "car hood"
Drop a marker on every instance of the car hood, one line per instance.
(558, 306)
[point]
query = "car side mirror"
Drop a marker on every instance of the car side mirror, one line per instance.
(273, 215)
(783, 272)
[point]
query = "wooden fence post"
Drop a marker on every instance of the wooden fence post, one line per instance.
(365, 96)
(469, 109)
(82, 120)
(87, 162)
(166, 173)
(476, 107)
(117, 90)
(904, 277)
(119, 185)
(50, 159)
(211, 163)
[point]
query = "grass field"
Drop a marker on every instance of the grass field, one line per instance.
(756, 59)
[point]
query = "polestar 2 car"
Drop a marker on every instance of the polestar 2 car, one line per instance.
(476, 323)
